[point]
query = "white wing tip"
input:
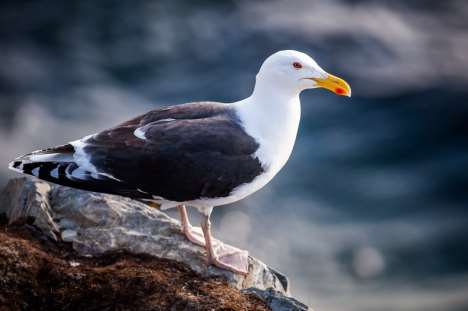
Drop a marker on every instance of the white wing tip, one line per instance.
(140, 133)
(16, 167)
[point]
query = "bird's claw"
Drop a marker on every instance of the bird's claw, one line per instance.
(194, 235)
(234, 261)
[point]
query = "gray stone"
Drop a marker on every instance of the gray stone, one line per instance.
(96, 223)
(69, 235)
(276, 300)
(67, 224)
(23, 199)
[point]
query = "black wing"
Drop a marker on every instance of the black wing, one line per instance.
(179, 153)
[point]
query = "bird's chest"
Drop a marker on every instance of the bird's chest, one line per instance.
(276, 134)
(273, 124)
(276, 141)
(272, 154)
(275, 148)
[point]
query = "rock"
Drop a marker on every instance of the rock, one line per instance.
(38, 273)
(23, 199)
(69, 235)
(276, 300)
(98, 223)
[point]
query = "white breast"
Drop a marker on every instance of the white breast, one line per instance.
(275, 129)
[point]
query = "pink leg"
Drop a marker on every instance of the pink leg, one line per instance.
(192, 234)
(235, 261)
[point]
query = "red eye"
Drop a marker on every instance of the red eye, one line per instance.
(297, 65)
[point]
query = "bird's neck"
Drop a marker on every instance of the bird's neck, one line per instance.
(270, 108)
(272, 118)
(267, 87)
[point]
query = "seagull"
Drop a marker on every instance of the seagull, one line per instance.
(199, 154)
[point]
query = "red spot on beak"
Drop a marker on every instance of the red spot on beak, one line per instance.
(340, 91)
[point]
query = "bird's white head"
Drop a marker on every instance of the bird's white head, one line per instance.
(291, 72)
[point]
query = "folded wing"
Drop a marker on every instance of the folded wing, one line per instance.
(180, 153)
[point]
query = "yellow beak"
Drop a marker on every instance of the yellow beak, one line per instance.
(334, 84)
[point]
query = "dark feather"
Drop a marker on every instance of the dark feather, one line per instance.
(203, 152)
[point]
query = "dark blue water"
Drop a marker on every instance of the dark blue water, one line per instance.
(370, 213)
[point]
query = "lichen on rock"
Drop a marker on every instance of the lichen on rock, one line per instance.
(95, 224)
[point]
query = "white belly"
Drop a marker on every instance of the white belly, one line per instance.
(276, 134)
(273, 155)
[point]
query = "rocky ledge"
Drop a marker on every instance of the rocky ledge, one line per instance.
(111, 251)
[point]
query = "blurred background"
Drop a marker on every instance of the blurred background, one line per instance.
(370, 213)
